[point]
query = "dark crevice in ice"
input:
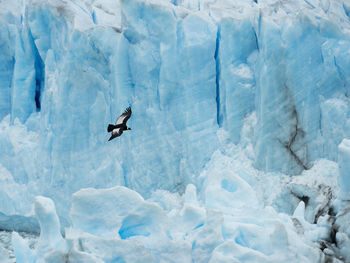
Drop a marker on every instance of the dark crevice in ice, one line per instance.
(311, 5)
(80, 245)
(326, 208)
(179, 187)
(256, 40)
(303, 198)
(117, 29)
(328, 245)
(39, 74)
(39, 79)
(217, 80)
(259, 23)
(331, 242)
(296, 132)
(333, 233)
(289, 145)
(93, 16)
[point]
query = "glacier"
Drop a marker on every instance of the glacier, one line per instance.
(239, 149)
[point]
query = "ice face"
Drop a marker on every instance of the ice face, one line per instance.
(161, 73)
(185, 74)
(270, 77)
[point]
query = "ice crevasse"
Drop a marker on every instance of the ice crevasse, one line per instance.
(239, 146)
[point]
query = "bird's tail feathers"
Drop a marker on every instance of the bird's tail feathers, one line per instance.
(111, 127)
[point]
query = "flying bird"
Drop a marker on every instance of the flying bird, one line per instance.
(120, 124)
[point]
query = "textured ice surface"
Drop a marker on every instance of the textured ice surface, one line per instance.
(240, 118)
(117, 224)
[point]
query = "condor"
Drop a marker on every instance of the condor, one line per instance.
(120, 124)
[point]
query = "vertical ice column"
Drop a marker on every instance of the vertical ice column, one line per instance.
(6, 68)
(344, 169)
(50, 236)
(173, 77)
(24, 77)
(236, 42)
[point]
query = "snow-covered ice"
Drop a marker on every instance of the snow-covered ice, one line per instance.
(239, 149)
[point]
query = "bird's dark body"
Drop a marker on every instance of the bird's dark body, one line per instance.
(111, 127)
(120, 125)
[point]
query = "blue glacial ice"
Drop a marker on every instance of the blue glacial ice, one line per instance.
(239, 149)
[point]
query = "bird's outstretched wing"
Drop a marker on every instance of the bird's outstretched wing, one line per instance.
(116, 133)
(123, 118)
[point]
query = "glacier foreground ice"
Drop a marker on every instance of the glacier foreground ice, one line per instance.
(240, 130)
(117, 224)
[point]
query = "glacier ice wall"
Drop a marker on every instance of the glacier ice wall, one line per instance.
(187, 68)
(228, 98)
(295, 77)
(68, 82)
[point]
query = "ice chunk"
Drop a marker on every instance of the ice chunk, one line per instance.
(191, 194)
(115, 212)
(168, 201)
(207, 237)
(108, 250)
(344, 244)
(4, 256)
(224, 189)
(232, 252)
(300, 211)
(72, 256)
(21, 249)
(50, 232)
